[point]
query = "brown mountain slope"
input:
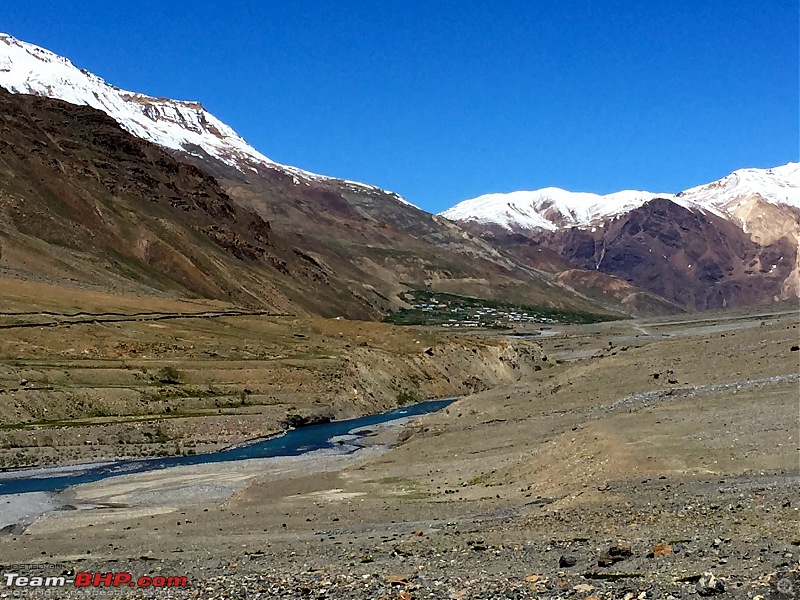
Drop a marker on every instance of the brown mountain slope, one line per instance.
(695, 259)
(380, 243)
(83, 201)
(766, 223)
(606, 289)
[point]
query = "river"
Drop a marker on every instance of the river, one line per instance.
(342, 436)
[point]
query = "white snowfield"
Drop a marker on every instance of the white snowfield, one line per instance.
(173, 124)
(553, 208)
(549, 208)
(778, 185)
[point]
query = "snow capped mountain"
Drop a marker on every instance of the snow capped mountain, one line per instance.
(549, 208)
(779, 185)
(172, 124)
(552, 209)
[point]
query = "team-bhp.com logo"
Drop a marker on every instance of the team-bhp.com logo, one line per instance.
(97, 580)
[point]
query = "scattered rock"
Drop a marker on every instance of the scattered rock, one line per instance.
(709, 585)
(622, 550)
(566, 562)
(662, 550)
(396, 580)
(604, 560)
(615, 554)
(296, 421)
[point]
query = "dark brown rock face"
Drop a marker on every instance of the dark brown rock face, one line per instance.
(694, 258)
(608, 289)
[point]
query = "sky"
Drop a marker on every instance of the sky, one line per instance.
(442, 101)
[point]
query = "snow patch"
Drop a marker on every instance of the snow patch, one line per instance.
(549, 208)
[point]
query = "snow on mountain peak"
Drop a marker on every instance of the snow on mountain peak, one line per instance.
(548, 208)
(173, 124)
(553, 208)
(778, 185)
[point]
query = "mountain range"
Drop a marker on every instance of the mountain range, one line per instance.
(337, 247)
(552, 208)
(731, 242)
(113, 188)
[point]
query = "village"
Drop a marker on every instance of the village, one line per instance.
(455, 311)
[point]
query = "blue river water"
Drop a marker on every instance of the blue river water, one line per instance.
(293, 443)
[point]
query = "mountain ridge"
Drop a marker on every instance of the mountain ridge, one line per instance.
(180, 125)
(552, 208)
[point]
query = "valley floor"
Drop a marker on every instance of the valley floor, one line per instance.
(642, 456)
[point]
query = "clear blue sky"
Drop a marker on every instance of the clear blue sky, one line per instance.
(445, 100)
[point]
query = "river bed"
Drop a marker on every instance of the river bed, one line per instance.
(26, 494)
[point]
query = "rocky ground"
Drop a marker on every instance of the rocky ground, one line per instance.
(657, 459)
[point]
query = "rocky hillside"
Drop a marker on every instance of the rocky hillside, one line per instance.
(694, 258)
(84, 202)
(181, 376)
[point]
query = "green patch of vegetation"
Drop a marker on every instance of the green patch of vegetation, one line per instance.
(104, 420)
(406, 397)
(161, 435)
(233, 402)
(221, 399)
(169, 375)
(478, 479)
(98, 412)
(452, 310)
